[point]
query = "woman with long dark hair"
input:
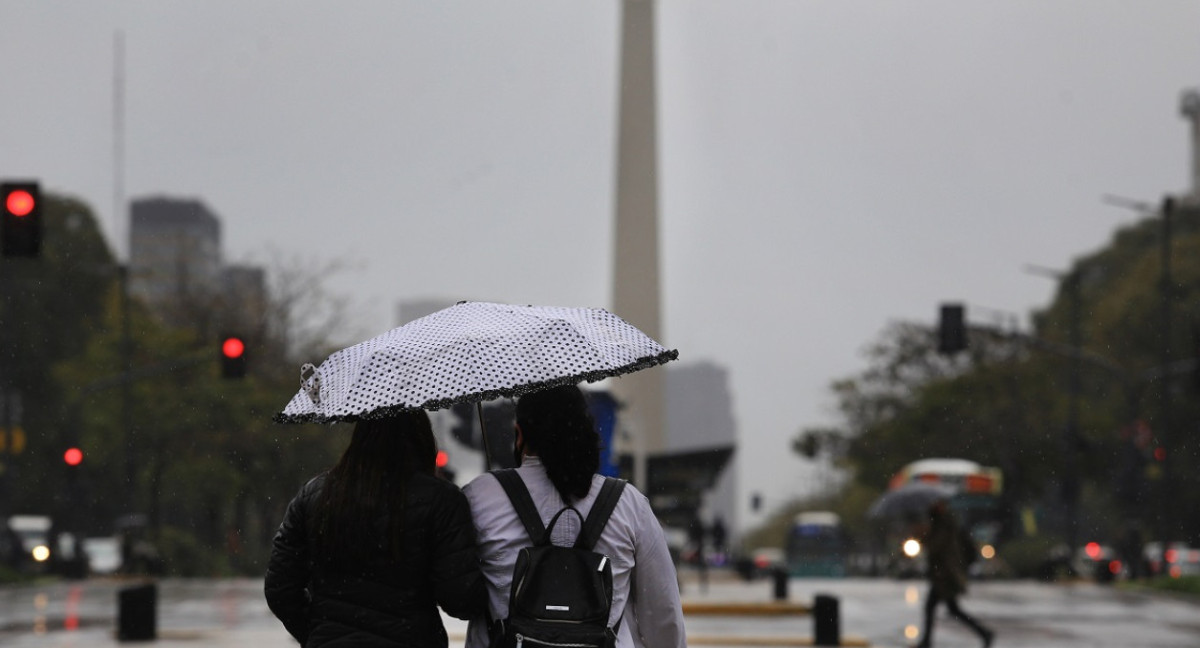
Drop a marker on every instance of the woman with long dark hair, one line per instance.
(558, 454)
(368, 550)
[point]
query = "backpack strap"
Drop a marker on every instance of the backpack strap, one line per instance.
(602, 509)
(518, 494)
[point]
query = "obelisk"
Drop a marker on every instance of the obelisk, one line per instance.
(635, 263)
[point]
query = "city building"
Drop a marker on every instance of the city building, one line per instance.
(699, 413)
(244, 297)
(174, 256)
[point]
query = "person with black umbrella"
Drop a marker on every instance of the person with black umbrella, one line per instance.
(947, 572)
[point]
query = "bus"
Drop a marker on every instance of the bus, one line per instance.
(816, 545)
(975, 499)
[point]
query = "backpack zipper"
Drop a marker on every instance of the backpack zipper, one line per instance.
(522, 638)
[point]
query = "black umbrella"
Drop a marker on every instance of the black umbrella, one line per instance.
(910, 499)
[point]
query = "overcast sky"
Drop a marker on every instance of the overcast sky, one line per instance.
(826, 167)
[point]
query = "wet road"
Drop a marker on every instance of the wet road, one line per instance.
(232, 613)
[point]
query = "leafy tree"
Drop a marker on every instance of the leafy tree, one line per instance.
(197, 456)
(1008, 400)
(49, 308)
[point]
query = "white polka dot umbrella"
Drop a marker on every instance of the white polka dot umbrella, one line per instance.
(470, 352)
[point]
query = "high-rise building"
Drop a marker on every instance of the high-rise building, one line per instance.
(174, 255)
(244, 298)
(699, 413)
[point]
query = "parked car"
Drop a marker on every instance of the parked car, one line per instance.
(1181, 559)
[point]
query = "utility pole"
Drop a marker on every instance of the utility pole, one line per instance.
(1164, 426)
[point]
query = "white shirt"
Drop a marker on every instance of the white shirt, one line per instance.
(645, 586)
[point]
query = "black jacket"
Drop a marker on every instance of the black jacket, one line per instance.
(389, 603)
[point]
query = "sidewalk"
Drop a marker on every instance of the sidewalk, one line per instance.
(728, 612)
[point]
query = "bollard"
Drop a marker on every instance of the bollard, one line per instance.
(137, 613)
(780, 576)
(827, 629)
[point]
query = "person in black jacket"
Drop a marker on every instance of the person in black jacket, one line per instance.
(944, 545)
(368, 550)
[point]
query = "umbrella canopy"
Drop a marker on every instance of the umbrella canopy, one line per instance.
(470, 352)
(910, 499)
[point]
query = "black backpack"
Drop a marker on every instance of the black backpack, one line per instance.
(560, 596)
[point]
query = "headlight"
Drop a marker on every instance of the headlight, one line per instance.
(912, 548)
(41, 553)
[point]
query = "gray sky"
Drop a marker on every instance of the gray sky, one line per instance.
(827, 167)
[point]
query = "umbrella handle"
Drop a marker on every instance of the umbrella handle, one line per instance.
(487, 450)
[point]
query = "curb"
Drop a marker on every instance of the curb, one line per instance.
(775, 608)
(741, 640)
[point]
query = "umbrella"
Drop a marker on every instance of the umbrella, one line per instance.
(469, 353)
(909, 499)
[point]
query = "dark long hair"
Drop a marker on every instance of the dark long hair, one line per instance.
(366, 489)
(557, 425)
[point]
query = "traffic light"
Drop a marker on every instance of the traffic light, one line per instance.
(233, 357)
(21, 228)
(952, 329)
(73, 457)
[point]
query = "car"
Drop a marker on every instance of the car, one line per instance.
(34, 532)
(1098, 561)
(1181, 559)
(103, 554)
(759, 563)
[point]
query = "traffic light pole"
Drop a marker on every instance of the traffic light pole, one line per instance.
(126, 385)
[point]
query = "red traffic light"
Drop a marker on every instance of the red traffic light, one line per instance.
(20, 219)
(233, 356)
(19, 203)
(442, 459)
(233, 347)
(73, 456)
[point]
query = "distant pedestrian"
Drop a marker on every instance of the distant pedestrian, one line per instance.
(1132, 549)
(696, 536)
(947, 559)
(719, 535)
(368, 550)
